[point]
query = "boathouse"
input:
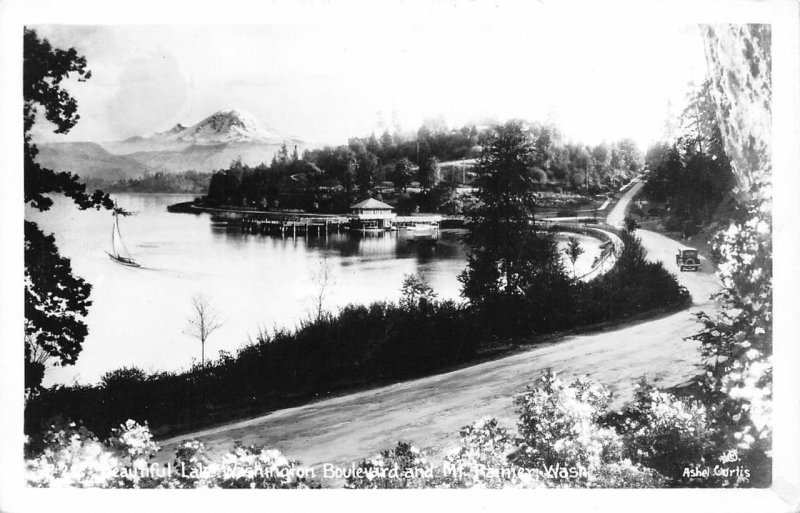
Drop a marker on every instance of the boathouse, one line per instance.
(371, 214)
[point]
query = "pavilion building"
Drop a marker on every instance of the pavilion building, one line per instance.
(372, 215)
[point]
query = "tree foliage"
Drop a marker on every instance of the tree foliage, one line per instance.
(736, 342)
(402, 174)
(429, 173)
(693, 174)
(573, 251)
(55, 299)
(439, 157)
(415, 292)
(511, 266)
(44, 68)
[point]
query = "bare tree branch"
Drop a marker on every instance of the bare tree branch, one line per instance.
(324, 280)
(204, 321)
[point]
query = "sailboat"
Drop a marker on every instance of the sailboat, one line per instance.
(119, 252)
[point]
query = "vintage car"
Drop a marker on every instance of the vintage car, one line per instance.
(688, 259)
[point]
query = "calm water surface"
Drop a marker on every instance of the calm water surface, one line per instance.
(139, 316)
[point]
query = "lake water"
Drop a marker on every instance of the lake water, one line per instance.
(139, 315)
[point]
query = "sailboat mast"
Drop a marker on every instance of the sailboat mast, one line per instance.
(114, 229)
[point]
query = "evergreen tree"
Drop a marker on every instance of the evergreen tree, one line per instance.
(401, 174)
(283, 153)
(428, 172)
(366, 171)
(512, 268)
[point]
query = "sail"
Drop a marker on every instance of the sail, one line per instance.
(119, 251)
(118, 246)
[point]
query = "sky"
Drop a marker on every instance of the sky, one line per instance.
(325, 84)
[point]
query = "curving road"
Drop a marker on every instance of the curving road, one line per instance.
(430, 411)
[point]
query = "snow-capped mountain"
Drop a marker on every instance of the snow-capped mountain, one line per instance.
(209, 145)
(229, 126)
(225, 126)
(169, 133)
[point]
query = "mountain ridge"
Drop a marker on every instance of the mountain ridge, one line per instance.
(88, 160)
(227, 125)
(208, 145)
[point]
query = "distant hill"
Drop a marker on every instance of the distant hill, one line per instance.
(207, 157)
(206, 146)
(89, 160)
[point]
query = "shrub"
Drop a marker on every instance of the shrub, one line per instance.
(560, 433)
(71, 456)
(122, 377)
(560, 444)
(483, 459)
(192, 466)
(404, 466)
(415, 292)
(737, 340)
(664, 432)
(633, 286)
(631, 224)
(257, 467)
(557, 423)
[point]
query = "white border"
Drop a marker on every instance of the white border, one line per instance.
(782, 14)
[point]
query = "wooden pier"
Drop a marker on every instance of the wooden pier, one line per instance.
(294, 224)
(287, 225)
(365, 217)
(291, 228)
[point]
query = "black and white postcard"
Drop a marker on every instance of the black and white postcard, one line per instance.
(520, 248)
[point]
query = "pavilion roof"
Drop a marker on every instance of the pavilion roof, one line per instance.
(372, 204)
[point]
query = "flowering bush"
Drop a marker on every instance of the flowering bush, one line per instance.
(192, 466)
(402, 467)
(560, 433)
(560, 444)
(483, 459)
(256, 467)
(557, 423)
(665, 433)
(737, 342)
(490, 458)
(71, 457)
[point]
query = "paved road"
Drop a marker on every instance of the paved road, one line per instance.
(430, 411)
(616, 217)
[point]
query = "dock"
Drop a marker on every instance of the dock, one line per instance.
(283, 224)
(294, 223)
